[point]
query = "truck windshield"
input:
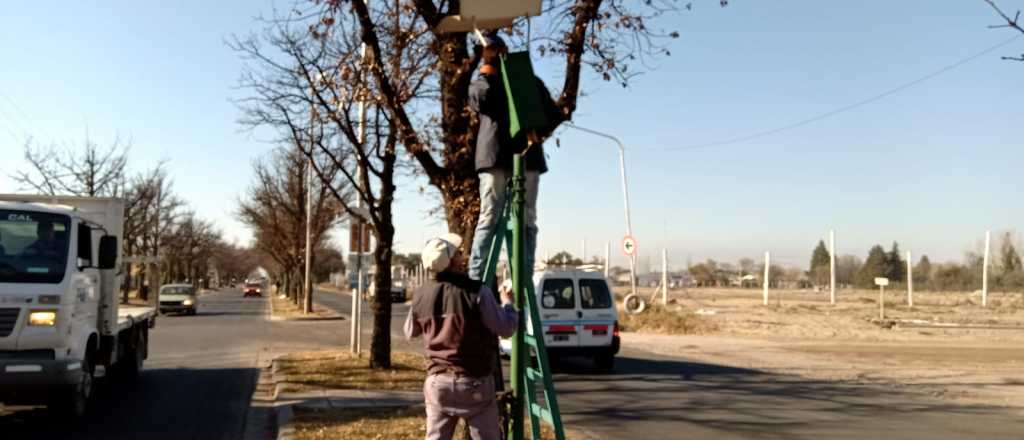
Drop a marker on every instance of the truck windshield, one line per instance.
(33, 246)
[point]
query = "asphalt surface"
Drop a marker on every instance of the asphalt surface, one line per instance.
(197, 382)
(203, 369)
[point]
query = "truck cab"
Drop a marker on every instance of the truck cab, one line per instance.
(59, 317)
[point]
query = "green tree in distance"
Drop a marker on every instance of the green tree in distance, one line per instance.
(874, 266)
(819, 271)
(923, 273)
(895, 266)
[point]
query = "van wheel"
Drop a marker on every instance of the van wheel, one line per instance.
(73, 401)
(605, 362)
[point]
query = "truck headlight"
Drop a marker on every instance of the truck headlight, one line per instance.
(187, 302)
(42, 318)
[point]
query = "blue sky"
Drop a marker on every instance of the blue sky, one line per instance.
(932, 166)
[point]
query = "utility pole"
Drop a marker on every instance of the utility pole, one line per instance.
(984, 271)
(832, 265)
(357, 299)
(664, 277)
(307, 301)
(767, 266)
(155, 287)
(583, 251)
(607, 257)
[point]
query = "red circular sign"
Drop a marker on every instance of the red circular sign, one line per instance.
(628, 246)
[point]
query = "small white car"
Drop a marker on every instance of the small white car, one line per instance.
(178, 298)
(578, 315)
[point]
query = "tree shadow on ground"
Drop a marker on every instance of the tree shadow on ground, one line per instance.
(161, 404)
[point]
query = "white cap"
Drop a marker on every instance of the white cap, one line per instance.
(438, 252)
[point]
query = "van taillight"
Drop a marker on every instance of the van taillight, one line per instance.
(615, 332)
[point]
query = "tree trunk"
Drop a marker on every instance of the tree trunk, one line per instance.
(127, 284)
(462, 205)
(380, 344)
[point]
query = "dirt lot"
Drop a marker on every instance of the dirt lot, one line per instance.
(807, 315)
(947, 346)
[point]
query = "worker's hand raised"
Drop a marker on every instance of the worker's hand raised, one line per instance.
(506, 293)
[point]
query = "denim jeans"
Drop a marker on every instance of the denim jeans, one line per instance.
(495, 190)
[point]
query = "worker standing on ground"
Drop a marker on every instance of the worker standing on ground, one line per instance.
(494, 150)
(460, 322)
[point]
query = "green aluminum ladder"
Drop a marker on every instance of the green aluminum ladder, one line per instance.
(524, 377)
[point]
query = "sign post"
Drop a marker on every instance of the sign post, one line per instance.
(629, 249)
(881, 282)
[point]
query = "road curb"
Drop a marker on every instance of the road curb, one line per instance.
(285, 428)
(277, 378)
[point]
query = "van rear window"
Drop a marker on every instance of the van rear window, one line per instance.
(594, 294)
(558, 294)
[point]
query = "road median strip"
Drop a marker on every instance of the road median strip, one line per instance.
(335, 394)
(283, 309)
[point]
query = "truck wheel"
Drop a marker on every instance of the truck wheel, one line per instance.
(605, 362)
(130, 365)
(72, 402)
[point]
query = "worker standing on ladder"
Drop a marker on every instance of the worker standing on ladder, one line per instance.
(494, 150)
(459, 320)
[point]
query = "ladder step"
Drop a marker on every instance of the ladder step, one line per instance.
(533, 374)
(541, 412)
(530, 340)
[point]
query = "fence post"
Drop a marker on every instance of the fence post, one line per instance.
(881, 302)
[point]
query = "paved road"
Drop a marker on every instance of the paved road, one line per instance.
(199, 378)
(203, 370)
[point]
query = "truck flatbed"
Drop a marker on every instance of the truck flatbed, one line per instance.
(127, 315)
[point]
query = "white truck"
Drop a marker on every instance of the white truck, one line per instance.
(59, 313)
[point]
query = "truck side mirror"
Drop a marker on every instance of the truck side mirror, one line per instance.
(84, 252)
(108, 252)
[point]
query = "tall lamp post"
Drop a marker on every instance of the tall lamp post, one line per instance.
(625, 195)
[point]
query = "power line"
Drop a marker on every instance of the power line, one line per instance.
(13, 121)
(800, 123)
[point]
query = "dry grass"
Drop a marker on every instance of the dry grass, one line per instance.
(370, 423)
(343, 370)
(670, 321)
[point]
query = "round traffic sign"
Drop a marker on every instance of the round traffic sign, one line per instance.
(628, 245)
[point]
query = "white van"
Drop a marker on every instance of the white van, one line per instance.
(578, 315)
